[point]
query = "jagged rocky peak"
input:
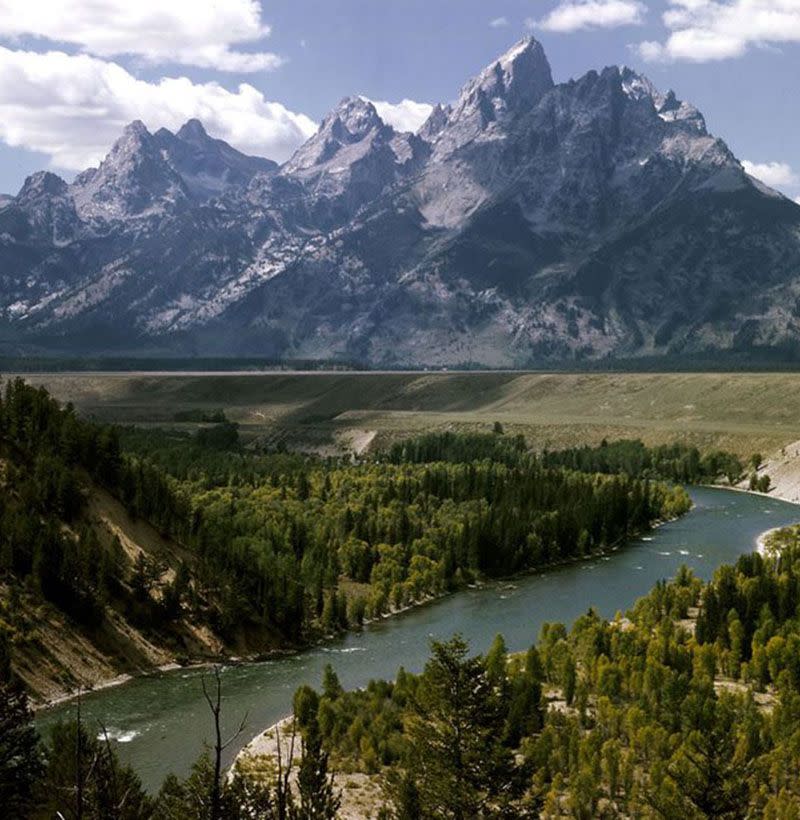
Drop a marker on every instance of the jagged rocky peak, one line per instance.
(42, 183)
(193, 131)
(346, 133)
(505, 89)
(519, 79)
(352, 119)
(49, 211)
(668, 106)
(208, 166)
(134, 179)
(134, 138)
(435, 123)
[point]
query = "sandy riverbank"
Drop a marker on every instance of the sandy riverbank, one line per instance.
(361, 793)
(783, 469)
(761, 541)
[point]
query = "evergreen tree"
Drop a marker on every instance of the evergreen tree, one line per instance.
(456, 759)
(707, 773)
(84, 780)
(318, 797)
(20, 755)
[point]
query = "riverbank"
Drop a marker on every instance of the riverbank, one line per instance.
(320, 641)
(102, 685)
(762, 542)
(165, 720)
(267, 742)
(361, 793)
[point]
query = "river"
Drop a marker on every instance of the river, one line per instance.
(160, 722)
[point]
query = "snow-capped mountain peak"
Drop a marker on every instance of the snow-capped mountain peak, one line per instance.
(530, 221)
(668, 106)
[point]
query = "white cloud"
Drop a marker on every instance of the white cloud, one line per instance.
(72, 107)
(797, 200)
(403, 116)
(499, 22)
(190, 32)
(574, 15)
(705, 30)
(774, 174)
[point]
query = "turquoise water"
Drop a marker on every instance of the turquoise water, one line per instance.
(160, 722)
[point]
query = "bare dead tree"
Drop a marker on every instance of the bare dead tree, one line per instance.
(78, 762)
(283, 791)
(82, 778)
(214, 700)
(116, 800)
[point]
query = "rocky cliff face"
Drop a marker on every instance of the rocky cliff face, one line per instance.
(527, 221)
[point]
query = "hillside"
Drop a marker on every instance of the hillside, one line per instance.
(529, 221)
(89, 590)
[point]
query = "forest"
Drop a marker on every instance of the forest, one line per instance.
(686, 706)
(292, 545)
(301, 547)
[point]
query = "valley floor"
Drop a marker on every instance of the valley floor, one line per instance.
(340, 412)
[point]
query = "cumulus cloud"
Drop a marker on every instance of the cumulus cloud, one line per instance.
(706, 30)
(774, 174)
(403, 116)
(72, 107)
(190, 32)
(574, 15)
(499, 22)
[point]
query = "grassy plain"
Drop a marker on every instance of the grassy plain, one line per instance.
(742, 412)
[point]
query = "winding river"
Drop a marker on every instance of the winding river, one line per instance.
(160, 722)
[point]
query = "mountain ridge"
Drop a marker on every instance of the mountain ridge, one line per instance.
(528, 221)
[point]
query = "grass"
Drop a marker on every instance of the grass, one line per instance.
(742, 412)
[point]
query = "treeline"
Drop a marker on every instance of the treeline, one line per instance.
(672, 462)
(687, 707)
(460, 448)
(668, 462)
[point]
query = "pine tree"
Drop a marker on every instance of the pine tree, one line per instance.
(319, 799)
(456, 758)
(20, 756)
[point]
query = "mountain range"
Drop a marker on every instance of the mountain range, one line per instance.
(526, 222)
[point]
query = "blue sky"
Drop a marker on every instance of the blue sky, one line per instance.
(260, 74)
